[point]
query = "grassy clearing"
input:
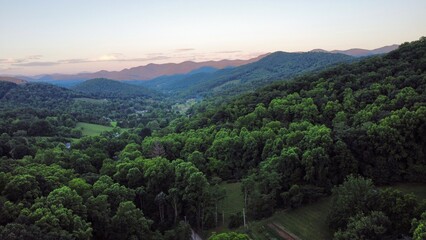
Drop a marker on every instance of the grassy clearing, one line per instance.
(234, 200)
(233, 203)
(418, 189)
(90, 129)
(307, 222)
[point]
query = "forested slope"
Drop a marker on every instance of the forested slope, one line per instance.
(102, 87)
(232, 81)
(297, 139)
(288, 144)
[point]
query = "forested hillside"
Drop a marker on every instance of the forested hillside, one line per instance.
(40, 94)
(231, 81)
(172, 83)
(112, 89)
(287, 144)
(291, 142)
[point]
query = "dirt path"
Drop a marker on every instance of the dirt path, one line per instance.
(195, 236)
(282, 232)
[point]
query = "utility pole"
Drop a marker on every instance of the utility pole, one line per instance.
(244, 217)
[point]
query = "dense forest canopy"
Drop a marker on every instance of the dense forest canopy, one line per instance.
(343, 132)
(102, 87)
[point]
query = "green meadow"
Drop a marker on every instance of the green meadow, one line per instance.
(307, 222)
(90, 129)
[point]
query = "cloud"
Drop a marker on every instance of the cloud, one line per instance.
(76, 60)
(153, 58)
(119, 57)
(9, 61)
(183, 54)
(184, 49)
(35, 64)
(35, 57)
(21, 60)
(6, 69)
(112, 57)
(233, 51)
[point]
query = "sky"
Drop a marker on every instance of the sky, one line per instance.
(72, 36)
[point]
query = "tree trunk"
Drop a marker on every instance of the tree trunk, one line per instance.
(140, 201)
(176, 211)
(202, 218)
(215, 213)
(245, 197)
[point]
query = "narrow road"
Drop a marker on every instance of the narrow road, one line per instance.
(194, 235)
(282, 232)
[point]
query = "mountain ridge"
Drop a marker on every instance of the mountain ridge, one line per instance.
(275, 66)
(112, 88)
(149, 71)
(12, 80)
(360, 52)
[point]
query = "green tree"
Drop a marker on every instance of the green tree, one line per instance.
(419, 227)
(355, 195)
(81, 187)
(22, 187)
(372, 226)
(99, 214)
(130, 223)
(58, 219)
(69, 199)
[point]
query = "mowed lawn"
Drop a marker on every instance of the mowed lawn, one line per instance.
(418, 189)
(90, 129)
(310, 221)
(307, 222)
(232, 203)
(234, 200)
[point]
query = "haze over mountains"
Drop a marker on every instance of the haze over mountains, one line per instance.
(151, 70)
(359, 52)
(12, 79)
(326, 116)
(274, 67)
(207, 80)
(193, 79)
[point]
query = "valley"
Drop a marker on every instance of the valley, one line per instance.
(200, 127)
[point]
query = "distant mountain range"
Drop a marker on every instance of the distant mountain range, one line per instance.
(226, 82)
(149, 71)
(359, 52)
(154, 71)
(12, 79)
